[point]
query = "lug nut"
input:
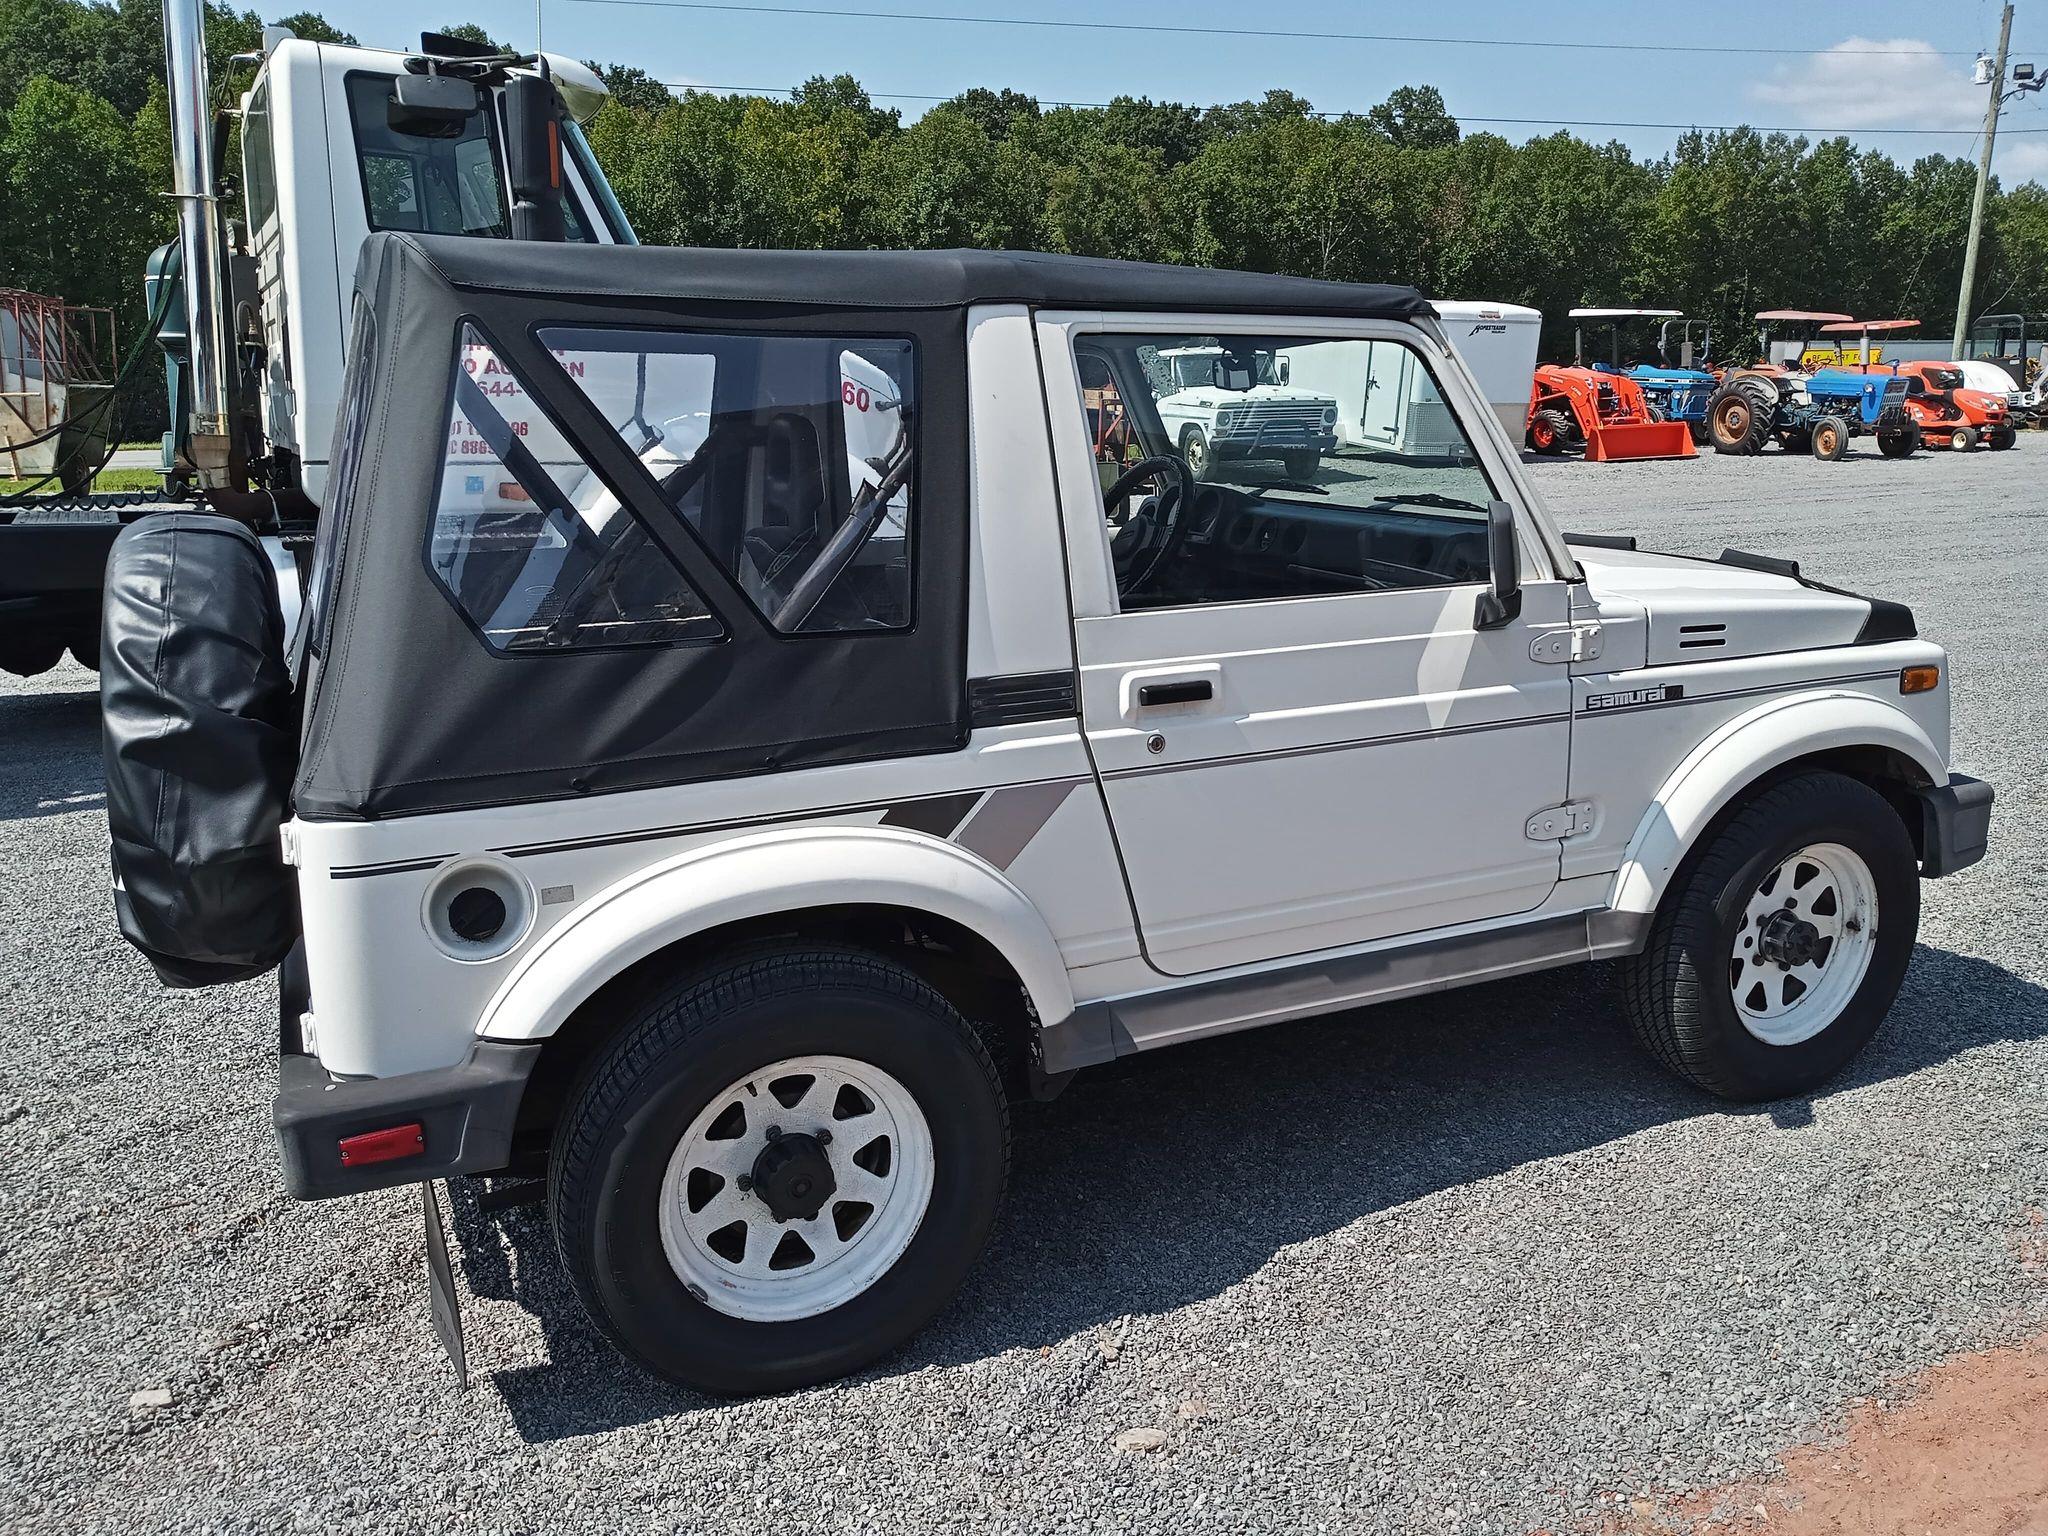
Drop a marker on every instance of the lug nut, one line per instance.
(824, 1138)
(775, 1133)
(743, 1183)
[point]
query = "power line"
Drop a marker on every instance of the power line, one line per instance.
(954, 19)
(1513, 122)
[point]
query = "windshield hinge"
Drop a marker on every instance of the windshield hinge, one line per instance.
(1569, 643)
(1555, 823)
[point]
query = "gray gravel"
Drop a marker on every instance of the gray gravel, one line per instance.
(1462, 1265)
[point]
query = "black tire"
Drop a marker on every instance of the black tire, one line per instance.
(1301, 466)
(30, 655)
(1677, 991)
(1830, 438)
(1796, 439)
(1962, 439)
(2002, 438)
(85, 650)
(1549, 432)
(1700, 436)
(1655, 413)
(687, 1044)
(1900, 444)
(1194, 449)
(1734, 421)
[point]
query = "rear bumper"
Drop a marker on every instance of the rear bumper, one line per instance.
(465, 1112)
(1955, 824)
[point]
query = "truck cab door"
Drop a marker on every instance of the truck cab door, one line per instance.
(1304, 735)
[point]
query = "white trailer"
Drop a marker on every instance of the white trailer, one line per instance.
(1379, 404)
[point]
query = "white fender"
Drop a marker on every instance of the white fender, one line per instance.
(787, 870)
(1729, 760)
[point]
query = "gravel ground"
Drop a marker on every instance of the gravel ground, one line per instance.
(1462, 1265)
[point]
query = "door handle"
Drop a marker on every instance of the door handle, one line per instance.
(1191, 691)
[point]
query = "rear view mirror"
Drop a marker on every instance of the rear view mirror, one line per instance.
(1501, 603)
(431, 106)
(1231, 376)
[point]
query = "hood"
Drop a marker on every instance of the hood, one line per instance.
(1709, 610)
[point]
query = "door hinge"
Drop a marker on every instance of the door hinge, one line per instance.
(1576, 642)
(288, 841)
(1556, 823)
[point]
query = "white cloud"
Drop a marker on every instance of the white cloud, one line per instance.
(2018, 160)
(1910, 85)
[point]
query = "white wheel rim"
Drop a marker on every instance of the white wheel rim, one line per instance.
(723, 1239)
(1804, 944)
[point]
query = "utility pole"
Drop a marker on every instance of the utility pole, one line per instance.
(1991, 109)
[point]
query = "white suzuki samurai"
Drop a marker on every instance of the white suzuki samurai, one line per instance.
(728, 808)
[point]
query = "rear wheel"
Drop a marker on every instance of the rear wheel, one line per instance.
(1549, 431)
(1830, 437)
(1734, 422)
(780, 1170)
(1900, 443)
(1782, 943)
(1963, 438)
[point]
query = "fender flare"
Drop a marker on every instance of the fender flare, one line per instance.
(1720, 768)
(764, 874)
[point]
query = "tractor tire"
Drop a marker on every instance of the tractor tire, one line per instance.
(1796, 439)
(2002, 438)
(1902, 444)
(1830, 437)
(1698, 431)
(1963, 439)
(1655, 413)
(1549, 431)
(1734, 422)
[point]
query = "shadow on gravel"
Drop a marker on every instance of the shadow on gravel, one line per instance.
(1163, 1180)
(50, 754)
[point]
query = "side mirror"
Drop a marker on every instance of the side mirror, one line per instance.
(431, 106)
(1283, 369)
(1501, 603)
(533, 157)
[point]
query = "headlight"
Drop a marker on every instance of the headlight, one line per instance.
(1226, 419)
(1330, 416)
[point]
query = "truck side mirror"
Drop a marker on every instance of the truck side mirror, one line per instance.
(431, 106)
(1501, 603)
(1283, 369)
(533, 157)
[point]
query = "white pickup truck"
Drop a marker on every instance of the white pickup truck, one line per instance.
(727, 827)
(1233, 403)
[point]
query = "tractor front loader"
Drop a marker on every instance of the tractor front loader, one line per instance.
(1604, 415)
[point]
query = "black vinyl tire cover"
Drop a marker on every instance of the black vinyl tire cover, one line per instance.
(199, 733)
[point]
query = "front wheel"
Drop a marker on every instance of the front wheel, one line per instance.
(2002, 438)
(1830, 437)
(780, 1170)
(1780, 947)
(1301, 466)
(1194, 449)
(1899, 443)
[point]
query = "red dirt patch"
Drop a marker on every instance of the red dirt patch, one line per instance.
(1961, 1450)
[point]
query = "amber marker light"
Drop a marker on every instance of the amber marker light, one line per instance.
(1919, 679)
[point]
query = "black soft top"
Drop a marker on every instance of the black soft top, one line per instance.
(896, 279)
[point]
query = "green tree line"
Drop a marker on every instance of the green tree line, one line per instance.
(1725, 224)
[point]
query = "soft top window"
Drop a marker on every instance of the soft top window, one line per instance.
(791, 458)
(530, 545)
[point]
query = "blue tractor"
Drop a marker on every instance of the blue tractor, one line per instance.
(1676, 386)
(1816, 413)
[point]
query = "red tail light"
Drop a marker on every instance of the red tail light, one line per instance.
(386, 1146)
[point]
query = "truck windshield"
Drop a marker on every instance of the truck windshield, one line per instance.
(446, 186)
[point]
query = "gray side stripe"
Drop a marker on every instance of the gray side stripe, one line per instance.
(1010, 818)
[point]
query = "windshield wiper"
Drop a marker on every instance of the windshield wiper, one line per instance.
(1428, 499)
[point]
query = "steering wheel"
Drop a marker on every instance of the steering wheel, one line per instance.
(1152, 535)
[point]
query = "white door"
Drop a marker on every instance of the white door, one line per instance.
(1304, 737)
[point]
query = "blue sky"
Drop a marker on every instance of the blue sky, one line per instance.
(1922, 82)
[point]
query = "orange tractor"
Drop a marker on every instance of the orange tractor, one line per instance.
(1601, 412)
(1951, 415)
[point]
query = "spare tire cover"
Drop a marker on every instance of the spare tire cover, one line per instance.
(197, 724)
